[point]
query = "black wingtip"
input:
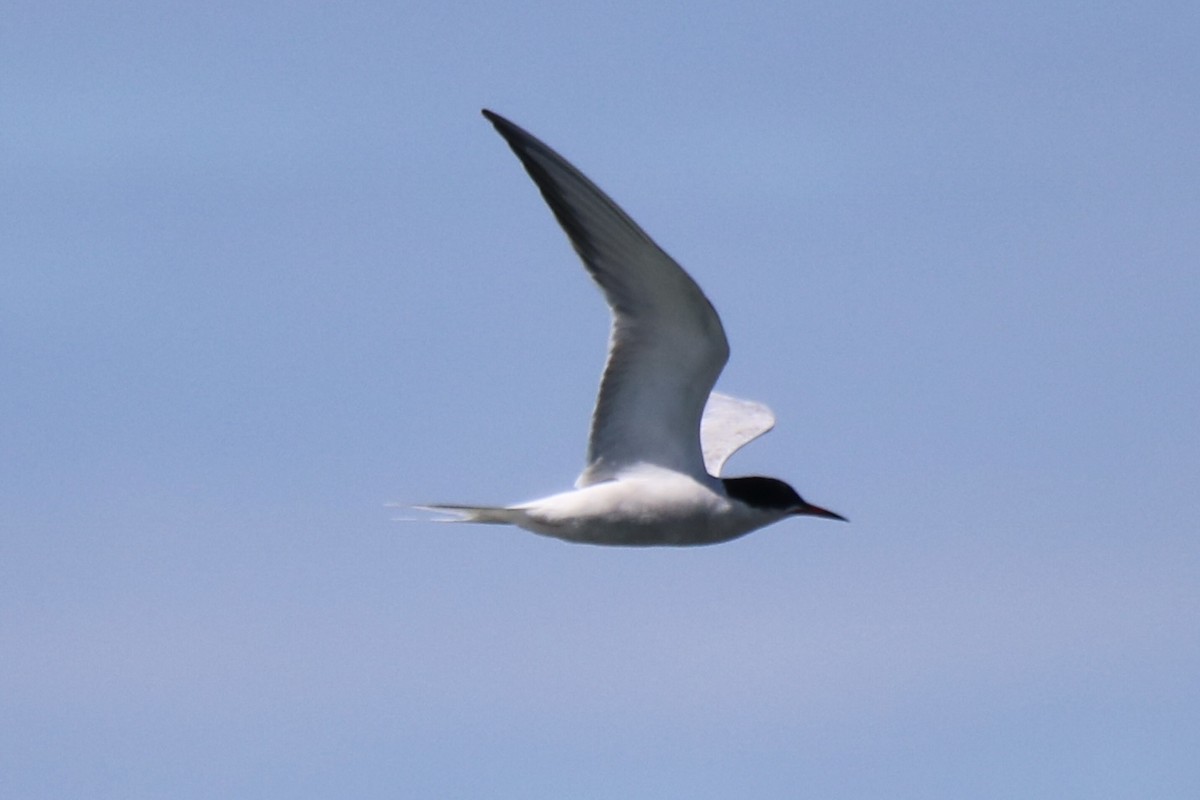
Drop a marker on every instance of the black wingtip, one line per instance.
(505, 127)
(500, 122)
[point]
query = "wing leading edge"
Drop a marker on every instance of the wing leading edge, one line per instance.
(666, 345)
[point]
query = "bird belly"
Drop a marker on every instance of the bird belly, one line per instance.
(658, 510)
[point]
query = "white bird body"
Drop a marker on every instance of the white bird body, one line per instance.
(646, 506)
(660, 436)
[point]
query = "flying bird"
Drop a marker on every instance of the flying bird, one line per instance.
(660, 435)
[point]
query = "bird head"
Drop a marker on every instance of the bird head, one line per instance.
(774, 495)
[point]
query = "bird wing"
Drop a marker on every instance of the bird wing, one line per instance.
(666, 346)
(728, 425)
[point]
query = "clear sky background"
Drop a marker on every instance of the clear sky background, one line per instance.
(264, 268)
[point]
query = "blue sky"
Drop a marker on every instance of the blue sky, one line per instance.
(266, 269)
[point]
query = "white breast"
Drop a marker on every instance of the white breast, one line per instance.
(646, 506)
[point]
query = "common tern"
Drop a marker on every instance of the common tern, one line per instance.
(660, 435)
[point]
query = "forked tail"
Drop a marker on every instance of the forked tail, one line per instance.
(491, 515)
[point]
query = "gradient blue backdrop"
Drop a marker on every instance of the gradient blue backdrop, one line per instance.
(264, 268)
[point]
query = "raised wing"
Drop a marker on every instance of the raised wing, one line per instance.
(728, 425)
(666, 346)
